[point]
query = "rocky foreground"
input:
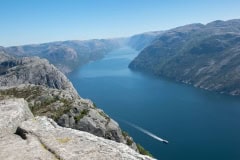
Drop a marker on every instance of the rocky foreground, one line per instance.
(23, 136)
(30, 87)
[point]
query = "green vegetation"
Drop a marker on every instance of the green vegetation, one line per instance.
(81, 115)
(127, 138)
(49, 100)
(40, 101)
(143, 151)
(94, 105)
(62, 110)
(104, 115)
(27, 93)
(129, 141)
(125, 134)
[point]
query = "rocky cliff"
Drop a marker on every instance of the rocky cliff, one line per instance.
(49, 93)
(32, 70)
(23, 136)
(205, 56)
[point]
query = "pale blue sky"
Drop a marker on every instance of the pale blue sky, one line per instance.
(37, 21)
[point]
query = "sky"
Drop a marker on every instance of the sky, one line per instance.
(39, 21)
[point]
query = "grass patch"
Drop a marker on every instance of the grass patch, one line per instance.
(104, 115)
(81, 115)
(39, 100)
(129, 142)
(94, 105)
(125, 134)
(47, 101)
(27, 93)
(62, 110)
(127, 138)
(143, 151)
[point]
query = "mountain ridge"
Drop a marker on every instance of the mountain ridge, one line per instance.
(205, 56)
(71, 54)
(67, 55)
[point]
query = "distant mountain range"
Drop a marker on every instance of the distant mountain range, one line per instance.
(67, 55)
(205, 56)
(140, 41)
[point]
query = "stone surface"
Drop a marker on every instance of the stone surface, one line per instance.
(13, 147)
(33, 70)
(95, 122)
(49, 93)
(69, 144)
(68, 110)
(12, 113)
(41, 138)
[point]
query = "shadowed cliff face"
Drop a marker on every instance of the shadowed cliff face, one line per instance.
(206, 56)
(49, 93)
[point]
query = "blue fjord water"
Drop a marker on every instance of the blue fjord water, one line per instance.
(198, 124)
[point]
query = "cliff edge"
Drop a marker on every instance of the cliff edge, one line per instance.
(23, 136)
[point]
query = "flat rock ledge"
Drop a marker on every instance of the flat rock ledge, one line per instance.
(30, 138)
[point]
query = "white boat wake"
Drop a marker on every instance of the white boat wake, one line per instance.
(147, 132)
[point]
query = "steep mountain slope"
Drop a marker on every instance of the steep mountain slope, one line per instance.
(49, 93)
(206, 56)
(67, 55)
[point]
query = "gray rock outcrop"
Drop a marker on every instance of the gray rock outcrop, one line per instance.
(41, 138)
(12, 113)
(13, 147)
(68, 111)
(33, 70)
(49, 93)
